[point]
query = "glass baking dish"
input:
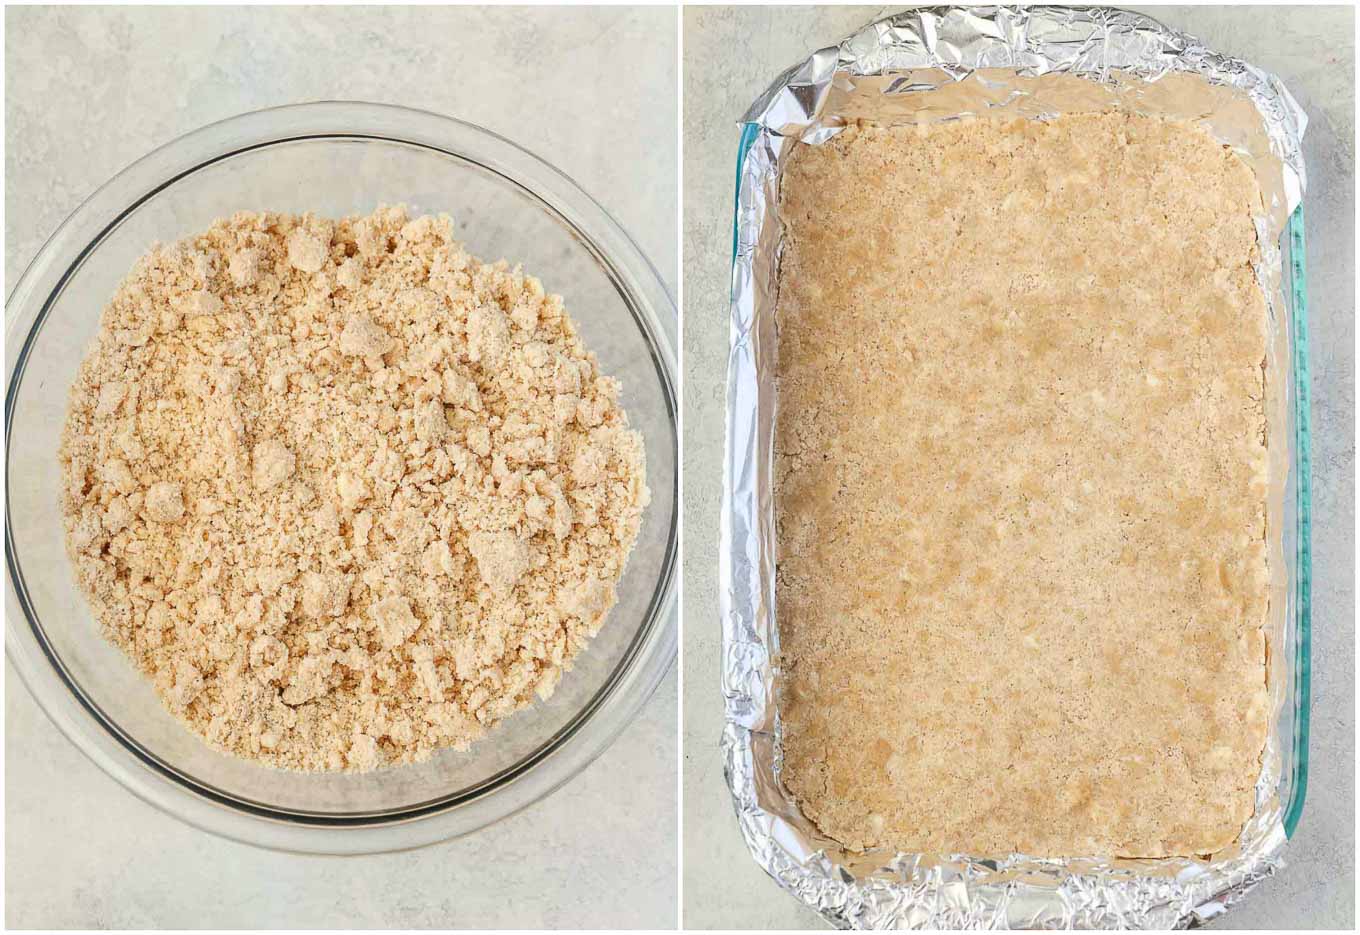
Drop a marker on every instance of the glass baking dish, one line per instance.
(753, 723)
(1297, 531)
(1297, 534)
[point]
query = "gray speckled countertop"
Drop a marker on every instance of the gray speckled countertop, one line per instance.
(91, 89)
(1312, 50)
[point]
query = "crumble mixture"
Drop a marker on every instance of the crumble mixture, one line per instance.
(345, 493)
(1021, 482)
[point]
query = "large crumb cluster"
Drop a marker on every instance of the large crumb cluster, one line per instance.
(1021, 485)
(344, 492)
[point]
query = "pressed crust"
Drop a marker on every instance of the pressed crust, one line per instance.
(1020, 487)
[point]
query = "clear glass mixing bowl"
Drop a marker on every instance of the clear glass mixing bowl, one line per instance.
(333, 159)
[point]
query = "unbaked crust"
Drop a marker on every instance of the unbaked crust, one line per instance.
(344, 493)
(1020, 487)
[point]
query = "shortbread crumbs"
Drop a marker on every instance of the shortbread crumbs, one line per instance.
(344, 492)
(1020, 488)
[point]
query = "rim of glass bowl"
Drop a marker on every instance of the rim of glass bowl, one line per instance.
(564, 755)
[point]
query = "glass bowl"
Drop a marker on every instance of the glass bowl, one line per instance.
(333, 159)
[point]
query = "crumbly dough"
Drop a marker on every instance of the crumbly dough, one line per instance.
(344, 492)
(1020, 484)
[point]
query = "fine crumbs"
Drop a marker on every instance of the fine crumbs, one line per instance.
(343, 492)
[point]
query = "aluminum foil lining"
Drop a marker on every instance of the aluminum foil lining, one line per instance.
(940, 64)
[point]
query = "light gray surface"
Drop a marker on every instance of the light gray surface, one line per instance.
(91, 89)
(1312, 50)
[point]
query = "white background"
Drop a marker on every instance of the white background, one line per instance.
(90, 90)
(730, 56)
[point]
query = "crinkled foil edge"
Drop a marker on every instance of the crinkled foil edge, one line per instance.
(1109, 46)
